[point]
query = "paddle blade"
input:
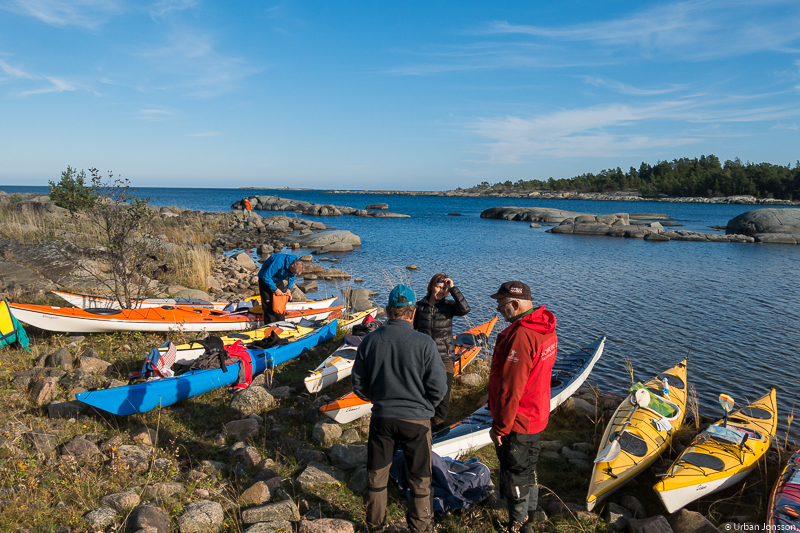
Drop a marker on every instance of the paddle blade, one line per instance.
(726, 402)
(609, 453)
(642, 397)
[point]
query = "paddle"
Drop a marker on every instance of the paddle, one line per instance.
(727, 406)
(641, 398)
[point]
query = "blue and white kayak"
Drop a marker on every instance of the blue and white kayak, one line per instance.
(472, 433)
(143, 397)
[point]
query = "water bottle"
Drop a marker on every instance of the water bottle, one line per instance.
(665, 387)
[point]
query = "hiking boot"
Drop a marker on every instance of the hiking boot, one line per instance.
(515, 527)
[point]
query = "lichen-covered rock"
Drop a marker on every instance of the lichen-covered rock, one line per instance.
(121, 501)
(347, 456)
(43, 444)
(202, 516)
(257, 494)
(326, 525)
(100, 518)
(83, 450)
(145, 436)
(326, 433)
(318, 474)
(133, 457)
(93, 365)
(283, 510)
(251, 401)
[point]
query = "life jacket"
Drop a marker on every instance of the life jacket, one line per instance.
(10, 329)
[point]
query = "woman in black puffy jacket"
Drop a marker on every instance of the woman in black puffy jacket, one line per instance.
(434, 317)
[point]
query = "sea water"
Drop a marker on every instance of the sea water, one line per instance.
(730, 307)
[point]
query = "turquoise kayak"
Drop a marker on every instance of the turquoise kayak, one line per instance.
(143, 397)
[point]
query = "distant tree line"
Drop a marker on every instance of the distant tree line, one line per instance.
(703, 177)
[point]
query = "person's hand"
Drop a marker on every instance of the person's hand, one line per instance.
(278, 292)
(496, 437)
(289, 292)
(448, 283)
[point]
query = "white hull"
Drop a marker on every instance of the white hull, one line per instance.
(348, 414)
(106, 325)
(457, 447)
(84, 301)
(675, 499)
(335, 368)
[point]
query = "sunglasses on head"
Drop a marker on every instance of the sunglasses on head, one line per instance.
(440, 281)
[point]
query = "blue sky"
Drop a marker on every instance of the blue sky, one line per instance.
(401, 95)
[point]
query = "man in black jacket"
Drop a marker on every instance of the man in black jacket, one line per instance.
(399, 370)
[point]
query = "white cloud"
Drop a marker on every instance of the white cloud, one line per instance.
(612, 129)
(624, 88)
(60, 13)
(154, 114)
(191, 62)
(159, 9)
(697, 30)
(14, 72)
(56, 86)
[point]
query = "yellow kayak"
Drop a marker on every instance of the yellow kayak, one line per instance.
(720, 457)
(649, 431)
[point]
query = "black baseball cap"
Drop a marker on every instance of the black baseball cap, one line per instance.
(513, 289)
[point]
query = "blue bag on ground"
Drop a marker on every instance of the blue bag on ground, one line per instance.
(456, 485)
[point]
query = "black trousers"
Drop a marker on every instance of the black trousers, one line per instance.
(266, 303)
(414, 437)
(518, 457)
(443, 408)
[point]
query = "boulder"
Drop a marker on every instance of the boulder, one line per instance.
(192, 294)
(329, 237)
(570, 509)
(632, 504)
(359, 299)
(148, 516)
(766, 220)
(686, 521)
(257, 494)
(283, 510)
(202, 516)
(244, 260)
(326, 525)
(251, 401)
(145, 436)
(305, 456)
(470, 381)
(273, 526)
(242, 430)
(166, 490)
(377, 206)
(654, 524)
(326, 433)
(84, 451)
(44, 391)
(43, 444)
(93, 365)
(78, 378)
(348, 456)
(121, 501)
(63, 410)
(318, 474)
(100, 518)
(61, 358)
(579, 408)
(248, 456)
(134, 457)
(529, 214)
(617, 517)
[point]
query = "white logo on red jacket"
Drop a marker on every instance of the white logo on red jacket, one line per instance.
(513, 358)
(548, 352)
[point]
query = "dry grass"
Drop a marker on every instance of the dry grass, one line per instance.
(192, 266)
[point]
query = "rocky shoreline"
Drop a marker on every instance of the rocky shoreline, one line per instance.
(618, 196)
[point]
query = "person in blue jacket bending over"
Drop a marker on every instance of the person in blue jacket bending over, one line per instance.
(276, 268)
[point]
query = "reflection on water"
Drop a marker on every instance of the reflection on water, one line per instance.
(730, 307)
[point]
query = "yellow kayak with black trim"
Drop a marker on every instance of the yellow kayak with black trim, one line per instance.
(722, 455)
(646, 436)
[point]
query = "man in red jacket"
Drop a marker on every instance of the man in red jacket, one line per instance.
(519, 397)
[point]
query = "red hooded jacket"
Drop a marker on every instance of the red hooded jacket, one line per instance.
(519, 381)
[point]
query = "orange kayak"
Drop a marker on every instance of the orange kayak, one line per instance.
(164, 318)
(468, 344)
